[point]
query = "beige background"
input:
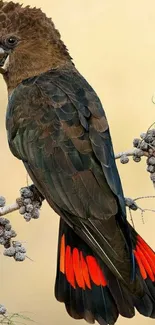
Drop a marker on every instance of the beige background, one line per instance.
(113, 45)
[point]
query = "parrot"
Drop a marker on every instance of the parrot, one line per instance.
(57, 127)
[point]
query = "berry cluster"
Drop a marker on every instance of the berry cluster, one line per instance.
(12, 248)
(31, 204)
(6, 232)
(144, 146)
(16, 250)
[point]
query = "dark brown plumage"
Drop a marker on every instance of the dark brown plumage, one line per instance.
(57, 126)
(40, 48)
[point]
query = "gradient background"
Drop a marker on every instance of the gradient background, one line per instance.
(113, 45)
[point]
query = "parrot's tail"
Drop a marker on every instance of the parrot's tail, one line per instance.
(92, 292)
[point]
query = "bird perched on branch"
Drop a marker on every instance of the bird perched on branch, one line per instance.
(57, 126)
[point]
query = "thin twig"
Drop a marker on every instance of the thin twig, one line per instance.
(144, 197)
(132, 205)
(131, 152)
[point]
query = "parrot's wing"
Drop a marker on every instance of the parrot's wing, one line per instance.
(57, 126)
(93, 119)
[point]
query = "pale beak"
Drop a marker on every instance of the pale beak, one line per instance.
(4, 59)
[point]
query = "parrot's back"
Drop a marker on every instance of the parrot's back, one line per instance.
(56, 125)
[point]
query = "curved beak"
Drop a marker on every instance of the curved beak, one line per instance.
(3, 60)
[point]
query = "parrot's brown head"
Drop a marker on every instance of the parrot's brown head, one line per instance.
(29, 43)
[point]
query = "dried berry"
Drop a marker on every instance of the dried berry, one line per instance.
(4, 221)
(124, 159)
(27, 216)
(149, 138)
(26, 192)
(2, 201)
(9, 251)
(151, 168)
(8, 234)
(151, 161)
(22, 210)
(152, 132)
(143, 135)
(136, 142)
(36, 214)
(19, 257)
(143, 146)
(16, 243)
(29, 208)
(8, 226)
(2, 241)
(152, 176)
(13, 233)
(20, 249)
(136, 159)
(27, 201)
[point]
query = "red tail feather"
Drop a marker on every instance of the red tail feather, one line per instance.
(79, 270)
(145, 258)
(85, 271)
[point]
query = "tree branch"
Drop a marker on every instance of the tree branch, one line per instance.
(10, 208)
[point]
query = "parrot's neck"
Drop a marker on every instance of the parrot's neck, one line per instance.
(27, 64)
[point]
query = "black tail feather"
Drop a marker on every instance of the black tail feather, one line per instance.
(88, 288)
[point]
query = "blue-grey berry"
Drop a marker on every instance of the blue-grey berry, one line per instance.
(8, 234)
(124, 159)
(144, 146)
(2, 241)
(29, 208)
(2, 201)
(27, 201)
(136, 142)
(143, 135)
(4, 221)
(22, 210)
(27, 216)
(148, 138)
(136, 159)
(13, 233)
(20, 249)
(26, 192)
(152, 132)
(151, 161)
(151, 168)
(16, 243)
(152, 176)
(8, 226)
(35, 214)
(19, 257)
(37, 204)
(9, 251)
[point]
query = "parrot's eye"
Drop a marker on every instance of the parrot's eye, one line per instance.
(11, 41)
